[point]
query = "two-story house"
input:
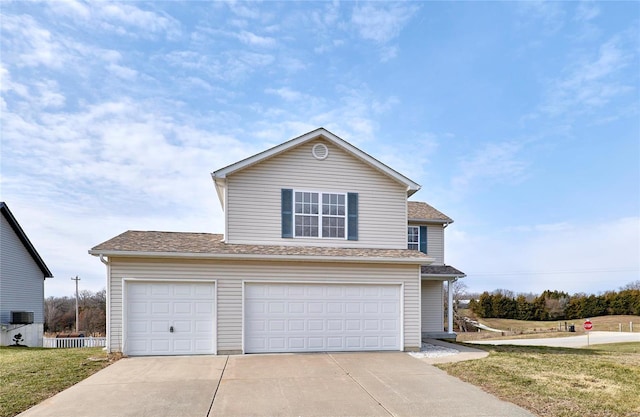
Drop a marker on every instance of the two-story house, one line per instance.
(321, 252)
(22, 275)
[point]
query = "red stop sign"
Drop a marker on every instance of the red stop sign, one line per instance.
(588, 325)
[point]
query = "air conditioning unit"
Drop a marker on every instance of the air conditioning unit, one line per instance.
(21, 317)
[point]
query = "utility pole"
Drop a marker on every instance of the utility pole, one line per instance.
(76, 279)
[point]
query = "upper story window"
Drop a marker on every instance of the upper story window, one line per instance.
(413, 237)
(319, 214)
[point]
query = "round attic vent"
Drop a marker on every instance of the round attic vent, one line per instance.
(320, 151)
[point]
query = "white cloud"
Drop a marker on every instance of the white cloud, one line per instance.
(71, 8)
(492, 163)
(586, 11)
(252, 39)
(228, 66)
(547, 15)
(30, 44)
(591, 82)
(590, 257)
(286, 93)
(122, 16)
(123, 72)
(381, 22)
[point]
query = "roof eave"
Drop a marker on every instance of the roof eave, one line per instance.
(412, 186)
(234, 256)
(221, 185)
(434, 221)
(442, 276)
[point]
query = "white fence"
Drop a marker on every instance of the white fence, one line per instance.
(73, 342)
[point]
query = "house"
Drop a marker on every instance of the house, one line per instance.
(22, 275)
(321, 252)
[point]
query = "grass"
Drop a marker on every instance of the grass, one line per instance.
(602, 381)
(30, 375)
(530, 329)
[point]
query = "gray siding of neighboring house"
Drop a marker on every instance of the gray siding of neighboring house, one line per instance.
(229, 276)
(254, 198)
(21, 280)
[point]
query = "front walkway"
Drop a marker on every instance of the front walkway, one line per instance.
(336, 384)
(577, 341)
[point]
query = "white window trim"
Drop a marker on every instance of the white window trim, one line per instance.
(418, 243)
(319, 215)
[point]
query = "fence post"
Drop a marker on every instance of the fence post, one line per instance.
(631, 326)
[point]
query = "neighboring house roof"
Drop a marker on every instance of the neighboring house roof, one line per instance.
(208, 245)
(220, 175)
(441, 270)
(418, 211)
(24, 239)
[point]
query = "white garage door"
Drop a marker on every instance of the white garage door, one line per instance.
(321, 317)
(170, 318)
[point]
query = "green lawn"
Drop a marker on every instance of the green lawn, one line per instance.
(30, 375)
(602, 381)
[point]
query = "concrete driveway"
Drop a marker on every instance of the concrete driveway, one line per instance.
(595, 338)
(336, 384)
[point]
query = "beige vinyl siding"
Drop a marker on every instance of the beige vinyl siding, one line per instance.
(435, 243)
(229, 276)
(432, 306)
(253, 198)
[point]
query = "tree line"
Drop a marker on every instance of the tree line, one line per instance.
(60, 313)
(557, 305)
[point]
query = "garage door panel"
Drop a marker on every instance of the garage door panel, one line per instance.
(276, 307)
(158, 326)
(204, 308)
(160, 290)
(296, 325)
(321, 317)
(160, 308)
(153, 308)
(138, 307)
(182, 308)
(139, 326)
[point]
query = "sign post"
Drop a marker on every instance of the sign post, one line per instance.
(587, 327)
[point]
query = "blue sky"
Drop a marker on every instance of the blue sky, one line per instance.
(519, 119)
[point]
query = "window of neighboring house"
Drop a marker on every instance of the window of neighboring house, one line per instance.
(413, 237)
(319, 214)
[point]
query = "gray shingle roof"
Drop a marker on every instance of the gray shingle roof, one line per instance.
(441, 270)
(417, 210)
(212, 244)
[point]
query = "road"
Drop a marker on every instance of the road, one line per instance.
(595, 338)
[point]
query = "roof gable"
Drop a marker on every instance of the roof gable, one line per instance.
(220, 175)
(24, 239)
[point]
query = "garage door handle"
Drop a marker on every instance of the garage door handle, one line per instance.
(171, 329)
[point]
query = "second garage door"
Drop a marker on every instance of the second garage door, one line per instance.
(283, 317)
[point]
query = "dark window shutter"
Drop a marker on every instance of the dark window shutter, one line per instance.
(423, 239)
(352, 214)
(287, 213)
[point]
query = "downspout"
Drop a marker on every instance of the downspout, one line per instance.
(108, 312)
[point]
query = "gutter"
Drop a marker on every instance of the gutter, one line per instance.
(255, 257)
